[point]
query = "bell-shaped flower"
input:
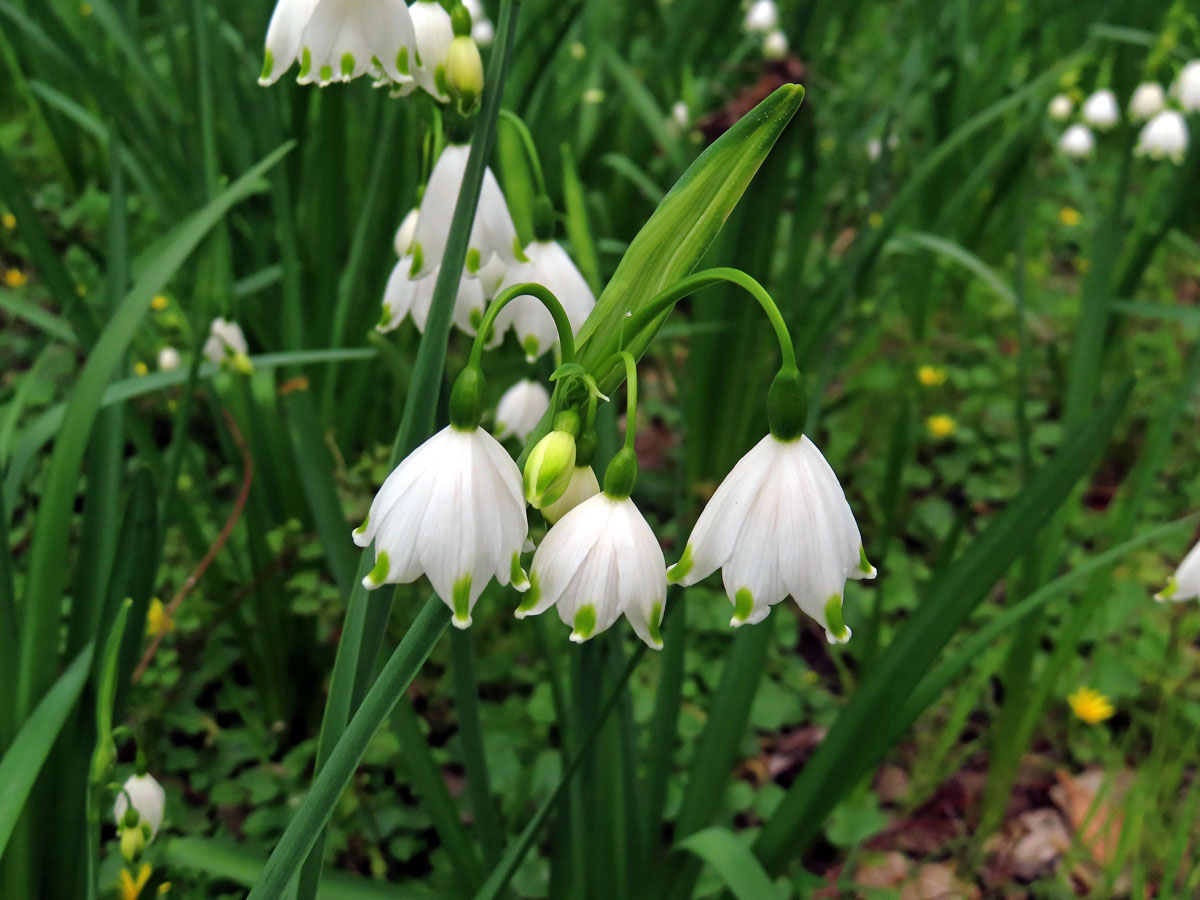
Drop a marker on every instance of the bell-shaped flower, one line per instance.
(1077, 142)
(520, 408)
(493, 233)
(226, 346)
(1101, 110)
(1185, 583)
(1164, 137)
(169, 359)
(1061, 107)
(1149, 99)
(339, 40)
(453, 511)
(431, 23)
(599, 561)
(582, 486)
(779, 524)
(1187, 86)
(547, 264)
(775, 45)
(762, 16)
(148, 800)
(405, 296)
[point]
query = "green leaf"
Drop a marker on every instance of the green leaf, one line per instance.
(859, 736)
(219, 859)
(742, 873)
(23, 762)
(681, 230)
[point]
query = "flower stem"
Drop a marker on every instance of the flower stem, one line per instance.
(671, 295)
(566, 338)
(531, 153)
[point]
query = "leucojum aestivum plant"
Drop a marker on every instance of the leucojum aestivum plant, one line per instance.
(522, 509)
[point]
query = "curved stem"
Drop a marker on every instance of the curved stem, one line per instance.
(671, 295)
(630, 394)
(531, 153)
(566, 338)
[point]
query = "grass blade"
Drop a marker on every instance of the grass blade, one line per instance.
(742, 873)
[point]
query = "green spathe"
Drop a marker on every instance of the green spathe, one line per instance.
(679, 233)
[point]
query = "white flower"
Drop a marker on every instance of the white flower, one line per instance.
(1185, 583)
(520, 408)
(779, 524)
(452, 510)
(1077, 142)
(775, 45)
(405, 233)
(433, 36)
(225, 341)
(1101, 110)
(680, 114)
(1187, 86)
(1164, 136)
(1147, 100)
(548, 265)
(762, 16)
(148, 799)
(493, 232)
(169, 359)
(338, 40)
(491, 275)
(875, 146)
(1061, 107)
(598, 561)
(405, 296)
(583, 484)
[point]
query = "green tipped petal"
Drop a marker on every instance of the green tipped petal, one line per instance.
(402, 61)
(1171, 589)
(268, 65)
(516, 574)
(362, 529)
(681, 569)
(474, 260)
(326, 73)
(378, 575)
(743, 606)
(462, 602)
(835, 625)
(347, 64)
(531, 598)
(864, 564)
(656, 613)
(305, 63)
(585, 623)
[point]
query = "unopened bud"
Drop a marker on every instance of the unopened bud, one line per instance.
(133, 843)
(464, 73)
(549, 467)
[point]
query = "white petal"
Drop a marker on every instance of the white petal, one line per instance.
(520, 409)
(548, 265)
(434, 33)
(148, 799)
(642, 575)
(1186, 581)
(398, 296)
(494, 232)
(403, 240)
(583, 484)
(283, 37)
(561, 554)
(437, 207)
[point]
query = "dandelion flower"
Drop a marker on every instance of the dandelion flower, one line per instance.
(1091, 706)
(941, 426)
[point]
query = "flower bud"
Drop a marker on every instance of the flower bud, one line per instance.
(133, 843)
(464, 73)
(550, 466)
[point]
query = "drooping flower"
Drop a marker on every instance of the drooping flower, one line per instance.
(339, 40)
(1148, 100)
(169, 359)
(1186, 88)
(582, 486)
(404, 296)
(520, 408)
(779, 524)
(1101, 110)
(775, 44)
(433, 35)
(762, 16)
(600, 561)
(453, 511)
(493, 233)
(148, 800)
(547, 264)
(405, 234)
(1164, 137)
(680, 115)
(1090, 706)
(1185, 583)
(482, 31)
(1061, 107)
(1077, 142)
(226, 345)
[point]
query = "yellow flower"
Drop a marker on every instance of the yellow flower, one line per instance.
(875, 219)
(10, 221)
(1069, 216)
(14, 278)
(130, 887)
(140, 368)
(156, 617)
(1090, 705)
(931, 376)
(159, 302)
(85, 9)
(941, 425)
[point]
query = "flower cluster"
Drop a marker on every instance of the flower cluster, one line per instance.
(1161, 113)
(762, 22)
